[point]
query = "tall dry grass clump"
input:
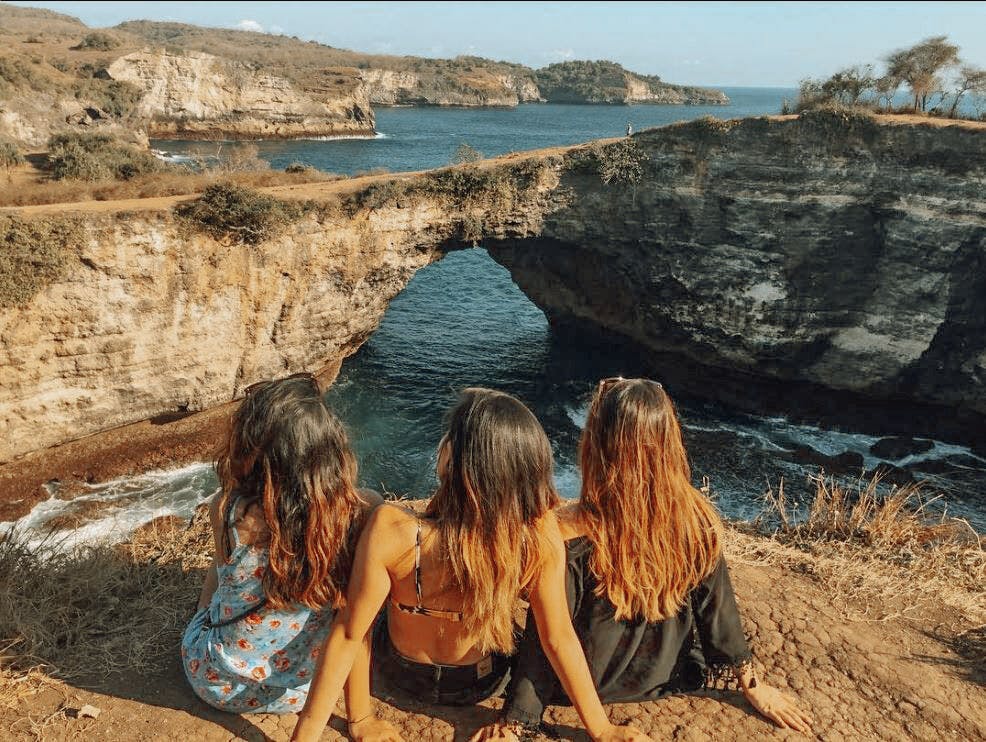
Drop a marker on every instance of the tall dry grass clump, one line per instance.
(87, 612)
(874, 547)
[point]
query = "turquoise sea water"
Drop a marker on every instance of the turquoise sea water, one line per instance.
(463, 322)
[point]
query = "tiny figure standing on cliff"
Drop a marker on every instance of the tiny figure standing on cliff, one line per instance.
(647, 585)
(285, 524)
(629, 129)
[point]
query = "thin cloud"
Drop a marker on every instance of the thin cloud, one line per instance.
(248, 25)
(559, 54)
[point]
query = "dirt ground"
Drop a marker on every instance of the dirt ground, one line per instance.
(908, 672)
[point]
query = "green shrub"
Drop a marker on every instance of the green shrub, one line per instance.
(300, 168)
(94, 156)
(620, 162)
(118, 99)
(465, 154)
(97, 41)
(377, 195)
(9, 154)
(17, 73)
(226, 211)
(33, 254)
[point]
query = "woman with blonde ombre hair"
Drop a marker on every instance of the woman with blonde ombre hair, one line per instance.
(451, 579)
(647, 585)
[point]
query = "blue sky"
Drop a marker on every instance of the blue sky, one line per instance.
(714, 43)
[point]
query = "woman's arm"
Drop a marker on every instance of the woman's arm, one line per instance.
(724, 645)
(209, 586)
(369, 586)
(212, 576)
(549, 606)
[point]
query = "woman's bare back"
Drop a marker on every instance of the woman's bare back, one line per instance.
(418, 637)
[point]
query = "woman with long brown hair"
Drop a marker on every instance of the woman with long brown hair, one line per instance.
(647, 585)
(285, 525)
(453, 576)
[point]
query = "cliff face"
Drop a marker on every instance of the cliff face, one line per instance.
(847, 255)
(844, 254)
(149, 318)
(475, 86)
(197, 95)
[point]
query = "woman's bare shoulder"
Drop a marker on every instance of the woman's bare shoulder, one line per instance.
(570, 522)
(391, 520)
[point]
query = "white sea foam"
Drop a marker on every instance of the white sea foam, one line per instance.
(341, 137)
(120, 506)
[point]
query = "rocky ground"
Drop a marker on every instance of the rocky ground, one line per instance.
(869, 663)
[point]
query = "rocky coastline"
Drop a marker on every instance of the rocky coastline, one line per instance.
(697, 245)
(145, 79)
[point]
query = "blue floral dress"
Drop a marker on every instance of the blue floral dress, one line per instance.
(262, 662)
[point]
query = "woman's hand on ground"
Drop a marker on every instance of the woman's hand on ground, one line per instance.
(624, 733)
(779, 707)
(373, 729)
(496, 732)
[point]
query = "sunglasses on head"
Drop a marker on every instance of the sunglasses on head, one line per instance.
(605, 384)
(300, 375)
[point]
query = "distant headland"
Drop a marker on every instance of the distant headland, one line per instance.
(174, 80)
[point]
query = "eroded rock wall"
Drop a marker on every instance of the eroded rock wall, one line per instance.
(844, 254)
(150, 317)
(200, 96)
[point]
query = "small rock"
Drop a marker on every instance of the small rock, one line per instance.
(890, 474)
(898, 447)
(843, 463)
(86, 712)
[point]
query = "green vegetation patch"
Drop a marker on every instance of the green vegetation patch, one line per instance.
(33, 254)
(228, 212)
(9, 154)
(583, 81)
(117, 98)
(621, 162)
(20, 73)
(839, 126)
(97, 41)
(91, 157)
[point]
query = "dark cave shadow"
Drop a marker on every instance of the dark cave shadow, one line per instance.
(170, 417)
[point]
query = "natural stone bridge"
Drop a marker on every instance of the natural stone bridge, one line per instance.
(844, 255)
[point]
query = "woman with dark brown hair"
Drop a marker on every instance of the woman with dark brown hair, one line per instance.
(451, 579)
(285, 525)
(647, 585)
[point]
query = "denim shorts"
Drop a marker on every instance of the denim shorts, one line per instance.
(446, 685)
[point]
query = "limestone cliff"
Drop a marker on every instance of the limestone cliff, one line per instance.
(465, 86)
(842, 256)
(197, 95)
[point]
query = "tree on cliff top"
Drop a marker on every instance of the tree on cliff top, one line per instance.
(921, 65)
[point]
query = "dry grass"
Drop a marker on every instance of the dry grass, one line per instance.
(93, 611)
(878, 553)
(151, 186)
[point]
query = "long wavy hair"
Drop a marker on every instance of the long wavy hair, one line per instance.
(288, 453)
(655, 536)
(489, 509)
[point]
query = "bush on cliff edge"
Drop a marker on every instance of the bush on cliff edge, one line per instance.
(32, 255)
(226, 211)
(95, 156)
